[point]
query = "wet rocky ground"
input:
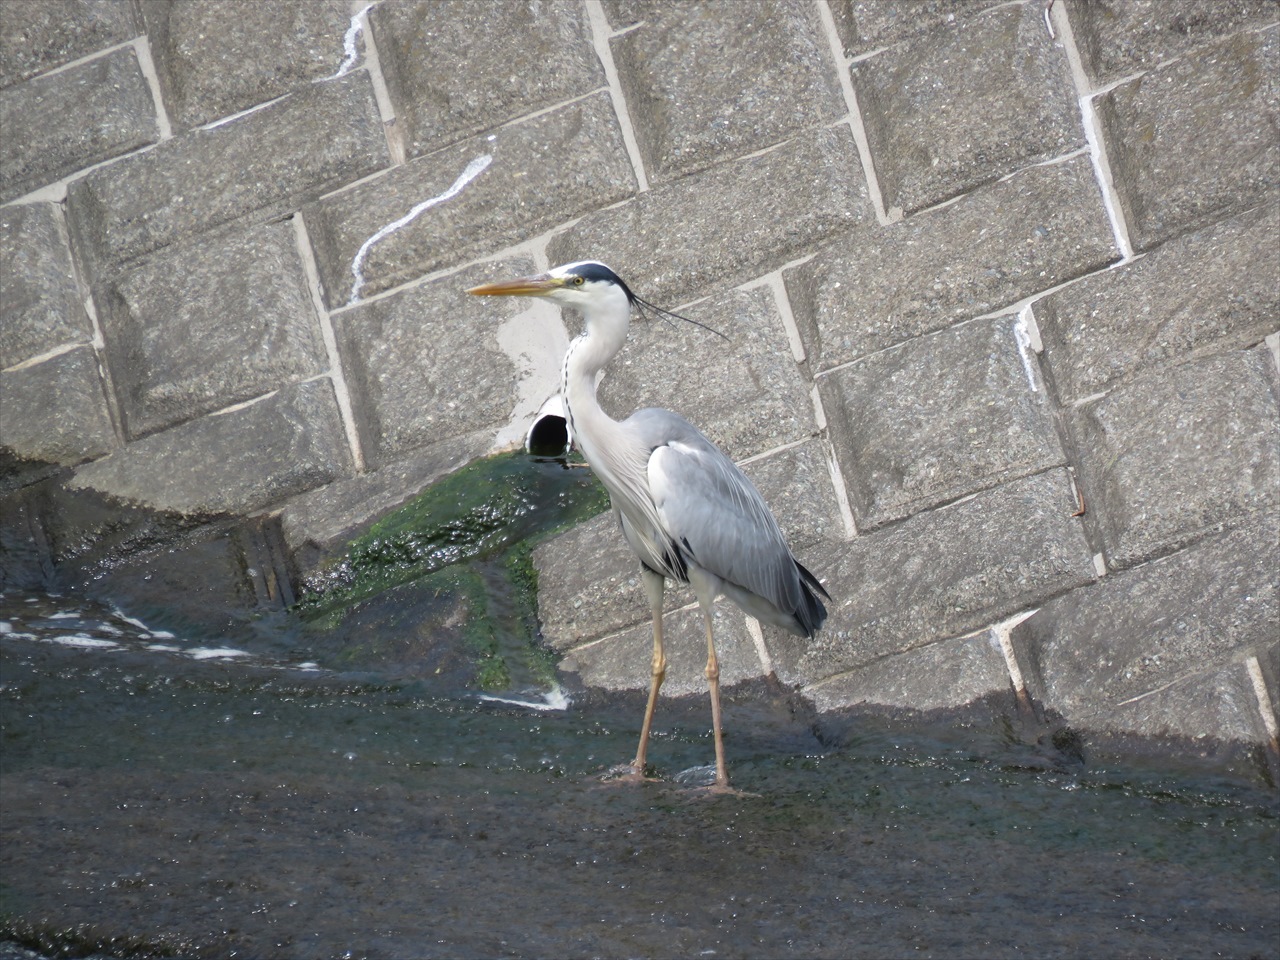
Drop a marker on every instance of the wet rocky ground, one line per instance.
(167, 799)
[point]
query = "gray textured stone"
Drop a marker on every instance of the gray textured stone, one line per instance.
(445, 86)
(966, 104)
(1118, 38)
(715, 229)
(864, 25)
(35, 37)
(237, 462)
(1195, 140)
(624, 661)
(1156, 650)
(202, 325)
(746, 394)
(937, 418)
(511, 200)
(425, 364)
(589, 585)
(40, 306)
(58, 124)
(708, 82)
(950, 673)
(991, 248)
(218, 57)
(940, 574)
(1211, 290)
(264, 163)
(1178, 451)
(55, 411)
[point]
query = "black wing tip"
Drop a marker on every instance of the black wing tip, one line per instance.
(812, 614)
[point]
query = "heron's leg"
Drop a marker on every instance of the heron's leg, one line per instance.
(713, 681)
(653, 587)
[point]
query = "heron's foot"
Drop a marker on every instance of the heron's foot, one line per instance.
(627, 773)
(704, 783)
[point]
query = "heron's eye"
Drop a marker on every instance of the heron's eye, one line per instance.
(578, 281)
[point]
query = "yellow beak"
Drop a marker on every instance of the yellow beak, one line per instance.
(538, 286)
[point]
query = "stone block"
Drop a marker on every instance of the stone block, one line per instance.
(589, 585)
(718, 228)
(746, 394)
(1118, 38)
(991, 248)
(1178, 451)
(264, 163)
(55, 411)
(966, 104)
(712, 81)
(624, 661)
(40, 306)
(1215, 289)
(445, 86)
(937, 418)
(205, 324)
(865, 25)
(1194, 140)
(1157, 649)
(218, 57)
(426, 364)
(943, 675)
(57, 124)
(944, 573)
(236, 462)
(35, 37)
(796, 483)
(508, 201)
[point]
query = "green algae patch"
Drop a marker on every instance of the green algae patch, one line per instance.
(452, 570)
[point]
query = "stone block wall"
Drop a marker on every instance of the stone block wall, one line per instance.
(1001, 282)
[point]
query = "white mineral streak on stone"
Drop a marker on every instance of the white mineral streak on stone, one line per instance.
(349, 42)
(1027, 336)
(473, 170)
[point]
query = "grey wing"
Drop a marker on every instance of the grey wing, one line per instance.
(711, 511)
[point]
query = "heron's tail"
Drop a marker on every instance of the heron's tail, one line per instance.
(811, 614)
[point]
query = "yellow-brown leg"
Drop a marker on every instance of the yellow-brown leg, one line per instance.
(653, 586)
(713, 681)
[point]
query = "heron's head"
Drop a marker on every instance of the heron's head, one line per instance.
(591, 287)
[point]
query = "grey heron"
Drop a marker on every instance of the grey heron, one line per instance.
(686, 510)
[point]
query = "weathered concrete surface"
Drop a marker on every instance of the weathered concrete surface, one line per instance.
(263, 163)
(1118, 38)
(407, 392)
(218, 57)
(1107, 655)
(38, 37)
(203, 325)
(237, 462)
(54, 411)
(941, 574)
(510, 200)
(505, 77)
(883, 285)
(1195, 140)
(1214, 289)
(57, 124)
(922, 100)
(1169, 455)
(733, 222)
(183, 322)
(938, 417)
(712, 81)
(39, 297)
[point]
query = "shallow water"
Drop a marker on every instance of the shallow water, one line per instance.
(162, 798)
